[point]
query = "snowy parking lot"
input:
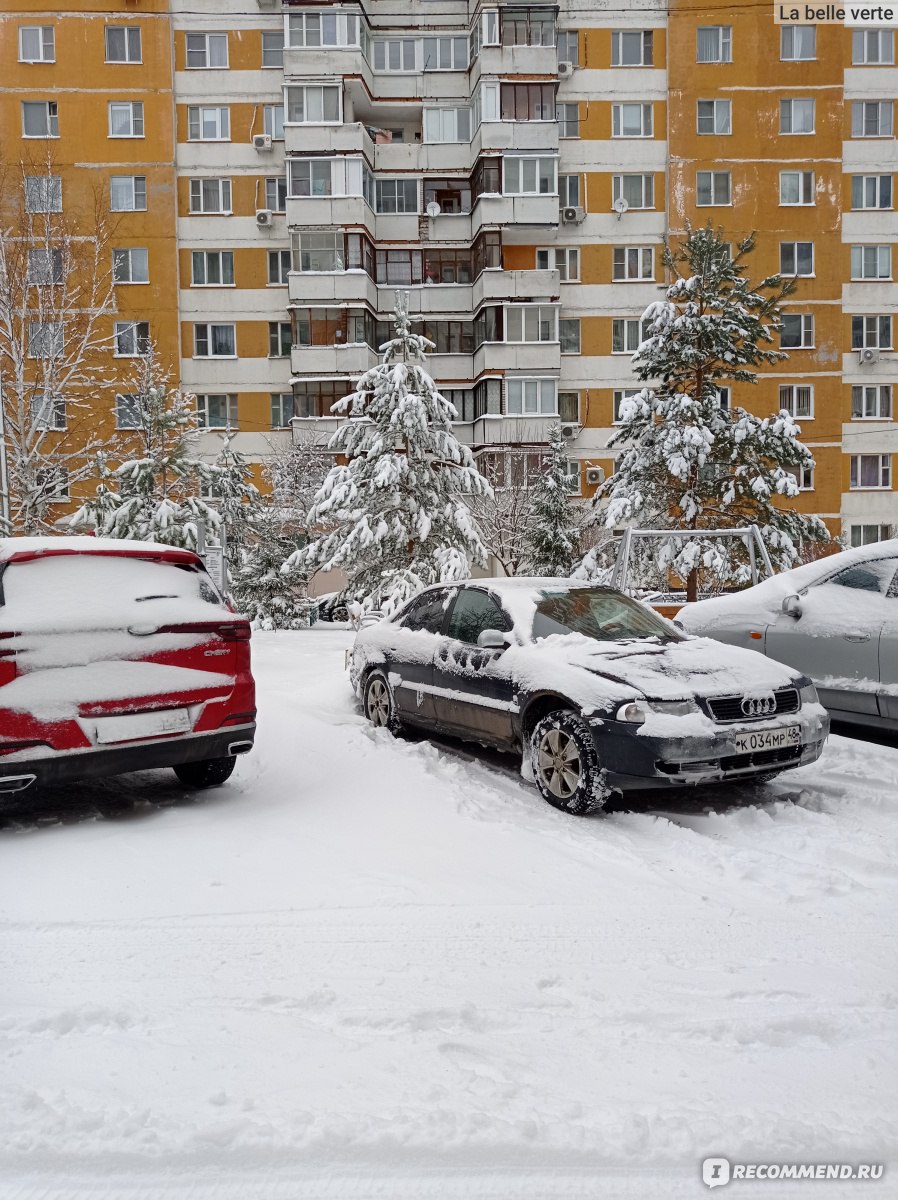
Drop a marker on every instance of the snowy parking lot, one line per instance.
(380, 968)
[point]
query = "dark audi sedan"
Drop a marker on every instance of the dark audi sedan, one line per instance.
(599, 693)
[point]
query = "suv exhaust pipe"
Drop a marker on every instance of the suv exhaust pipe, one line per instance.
(235, 748)
(16, 783)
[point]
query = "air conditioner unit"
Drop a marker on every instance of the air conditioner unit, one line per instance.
(569, 431)
(565, 70)
(263, 217)
(573, 216)
(868, 355)
(595, 476)
(261, 141)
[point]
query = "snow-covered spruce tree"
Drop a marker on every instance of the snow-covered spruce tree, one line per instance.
(236, 499)
(156, 495)
(553, 533)
(394, 514)
(687, 463)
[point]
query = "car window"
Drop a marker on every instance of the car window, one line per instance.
(473, 612)
(874, 576)
(599, 613)
(428, 611)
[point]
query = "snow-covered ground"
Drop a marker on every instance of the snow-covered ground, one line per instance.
(378, 968)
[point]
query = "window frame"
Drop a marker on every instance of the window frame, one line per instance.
(796, 274)
(279, 185)
(622, 255)
(807, 332)
(56, 418)
(787, 33)
(205, 256)
(280, 256)
(621, 331)
(570, 254)
(878, 182)
(539, 175)
(45, 43)
(647, 189)
(787, 116)
(871, 324)
(862, 254)
(646, 44)
(789, 400)
(514, 314)
(542, 383)
(136, 123)
(276, 339)
(715, 102)
(566, 345)
(646, 119)
(859, 118)
(137, 193)
(129, 252)
(862, 37)
(856, 471)
(860, 398)
(222, 122)
(49, 187)
(197, 188)
(209, 338)
(219, 37)
(51, 113)
(803, 177)
(305, 88)
(141, 338)
(724, 40)
(203, 410)
(714, 178)
(278, 49)
(128, 31)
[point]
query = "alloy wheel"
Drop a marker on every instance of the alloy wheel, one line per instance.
(378, 698)
(558, 762)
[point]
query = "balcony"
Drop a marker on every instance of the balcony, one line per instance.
(349, 138)
(516, 135)
(537, 358)
(351, 360)
(506, 61)
(503, 430)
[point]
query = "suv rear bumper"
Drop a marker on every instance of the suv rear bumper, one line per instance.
(64, 766)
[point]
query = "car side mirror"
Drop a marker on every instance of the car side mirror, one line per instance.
(792, 606)
(492, 639)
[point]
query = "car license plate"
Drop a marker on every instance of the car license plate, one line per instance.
(132, 726)
(768, 739)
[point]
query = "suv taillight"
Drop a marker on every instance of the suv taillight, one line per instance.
(7, 660)
(228, 631)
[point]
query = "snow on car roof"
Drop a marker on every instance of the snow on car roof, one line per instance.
(72, 544)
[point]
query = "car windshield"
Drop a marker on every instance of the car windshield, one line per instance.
(600, 613)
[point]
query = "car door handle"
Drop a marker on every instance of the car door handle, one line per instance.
(856, 637)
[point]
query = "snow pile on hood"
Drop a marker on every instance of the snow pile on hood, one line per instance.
(765, 599)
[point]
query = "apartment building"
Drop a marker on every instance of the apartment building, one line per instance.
(789, 130)
(515, 168)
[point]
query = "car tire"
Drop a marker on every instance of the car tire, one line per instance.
(208, 772)
(566, 766)
(379, 703)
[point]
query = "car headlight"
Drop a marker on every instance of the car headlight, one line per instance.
(808, 693)
(634, 712)
(674, 708)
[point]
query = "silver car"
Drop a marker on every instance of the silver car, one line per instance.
(836, 620)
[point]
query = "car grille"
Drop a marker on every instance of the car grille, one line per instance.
(729, 708)
(760, 758)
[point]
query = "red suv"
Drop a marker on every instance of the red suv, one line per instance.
(118, 656)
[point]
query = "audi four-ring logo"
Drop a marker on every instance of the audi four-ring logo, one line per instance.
(759, 706)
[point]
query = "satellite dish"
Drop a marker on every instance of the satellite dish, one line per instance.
(620, 206)
(433, 209)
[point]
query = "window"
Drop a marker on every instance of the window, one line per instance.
(618, 416)
(531, 323)
(131, 338)
(572, 471)
(319, 251)
(446, 54)
(48, 412)
(273, 121)
(871, 333)
(872, 402)
(40, 118)
(796, 188)
(797, 400)
(278, 266)
(637, 190)
(428, 612)
(715, 44)
(447, 125)
(872, 47)
(631, 48)
(871, 471)
(128, 193)
(803, 476)
(210, 196)
(569, 190)
(797, 116)
(871, 262)
(568, 116)
(797, 331)
(569, 335)
(396, 196)
(123, 44)
(798, 43)
(871, 118)
(712, 187)
(212, 268)
(130, 265)
(871, 191)
(127, 412)
(866, 535)
(216, 412)
(208, 124)
(631, 120)
(323, 29)
(207, 50)
(531, 397)
(527, 176)
(313, 105)
(527, 102)
(316, 397)
(394, 54)
(214, 341)
(310, 177)
(43, 193)
(569, 407)
(725, 398)
(633, 262)
(399, 266)
(627, 333)
(797, 258)
(714, 116)
(568, 46)
(36, 44)
(276, 193)
(563, 259)
(472, 613)
(54, 482)
(489, 27)
(280, 339)
(273, 48)
(46, 339)
(528, 27)
(281, 409)
(126, 120)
